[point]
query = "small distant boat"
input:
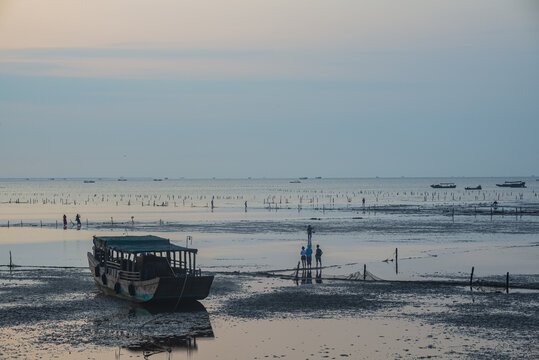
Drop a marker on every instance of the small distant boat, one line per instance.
(157, 179)
(303, 178)
(147, 269)
(295, 182)
(443, 186)
(478, 187)
(89, 181)
(513, 184)
(122, 179)
(318, 177)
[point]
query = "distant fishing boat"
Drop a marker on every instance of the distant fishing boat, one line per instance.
(122, 179)
(303, 178)
(147, 269)
(443, 186)
(89, 181)
(318, 177)
(157, 179)
(295, 182)
(513, 184)
(478, 187)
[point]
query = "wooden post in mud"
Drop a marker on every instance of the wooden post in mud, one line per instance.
(364, 272)
(10, 261)
(8, 224)
(57, 224)
(471, 278)
(397, 261)
(507, 283)
(297, 269)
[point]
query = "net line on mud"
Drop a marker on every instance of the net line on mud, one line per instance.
(484, 286)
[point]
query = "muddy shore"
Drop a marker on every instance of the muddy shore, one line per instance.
(47, 313)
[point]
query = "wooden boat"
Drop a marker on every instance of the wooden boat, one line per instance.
(443, 186)
(89, 181)
(513, 184)
(295, 182)
(478, 187)
(147, 269)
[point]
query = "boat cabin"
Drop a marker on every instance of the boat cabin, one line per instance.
(143, 257)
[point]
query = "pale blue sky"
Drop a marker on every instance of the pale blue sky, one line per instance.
(274, 89)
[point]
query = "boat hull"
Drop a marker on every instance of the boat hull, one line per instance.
(159, 289)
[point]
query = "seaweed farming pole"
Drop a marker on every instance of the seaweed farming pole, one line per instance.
(396, 261)
(507, 283)
(10, 261)
(364, 272)
(471, 278)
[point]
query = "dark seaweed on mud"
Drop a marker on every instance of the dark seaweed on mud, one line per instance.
(407, 225)
(512, 312)
(315, 301)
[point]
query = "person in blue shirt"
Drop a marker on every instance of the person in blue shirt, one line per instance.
(309, 254)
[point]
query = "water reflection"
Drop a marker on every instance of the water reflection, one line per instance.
(306, 277)
(163, 328)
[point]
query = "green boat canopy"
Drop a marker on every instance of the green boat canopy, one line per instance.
(139, 244)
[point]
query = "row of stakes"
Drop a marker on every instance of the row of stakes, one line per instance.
(12, 265)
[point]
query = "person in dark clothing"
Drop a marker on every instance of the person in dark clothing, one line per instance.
(77, 219)
(65, 221)
(309, 234)
(318, 256)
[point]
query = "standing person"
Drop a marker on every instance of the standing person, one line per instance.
(309, 234)
(318, 255)
(309, 254)
(246, 206)
(303, 256)
(65, 221)
(77, 219)
(363, 202)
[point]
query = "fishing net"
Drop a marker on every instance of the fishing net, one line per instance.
(368, 276)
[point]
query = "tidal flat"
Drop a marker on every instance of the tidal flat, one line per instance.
(58, 313)
(423, 307)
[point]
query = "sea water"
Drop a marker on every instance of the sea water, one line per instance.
(260, 224)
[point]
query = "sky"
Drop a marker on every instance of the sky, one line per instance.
(281, 88)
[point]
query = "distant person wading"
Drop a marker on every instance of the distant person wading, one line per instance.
(310, 232)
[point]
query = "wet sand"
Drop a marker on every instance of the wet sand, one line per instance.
(59, 314)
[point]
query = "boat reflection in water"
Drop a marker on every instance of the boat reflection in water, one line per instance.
(166, 329)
